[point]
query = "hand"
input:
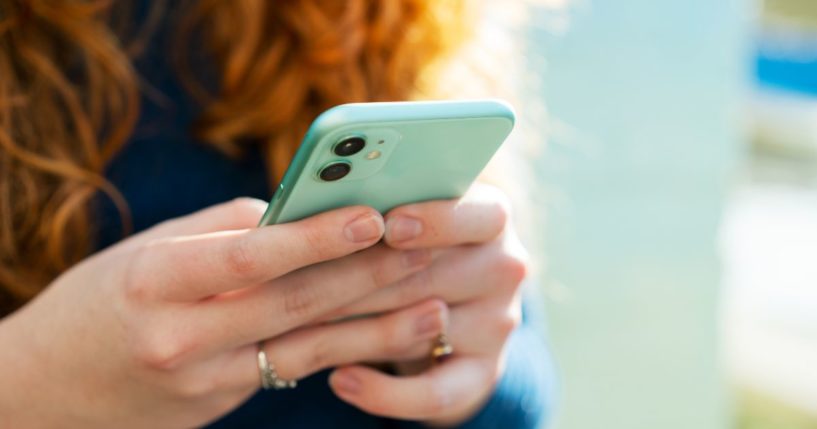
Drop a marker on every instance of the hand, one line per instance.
(478, 265)
(161, 329)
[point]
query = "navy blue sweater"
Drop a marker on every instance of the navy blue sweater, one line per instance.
(164, 173)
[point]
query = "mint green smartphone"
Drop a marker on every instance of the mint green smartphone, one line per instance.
(385, 155)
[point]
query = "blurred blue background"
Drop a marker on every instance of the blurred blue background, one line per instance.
(678, 183)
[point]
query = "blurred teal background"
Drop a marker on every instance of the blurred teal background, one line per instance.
(645, 103)
(679, 194)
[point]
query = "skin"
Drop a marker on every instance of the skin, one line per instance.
(161, 330)
(478, 266)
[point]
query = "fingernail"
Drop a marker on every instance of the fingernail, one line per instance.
(346, 383)
(429, 323)
(365, 228)
(416, 258)
(403, 229)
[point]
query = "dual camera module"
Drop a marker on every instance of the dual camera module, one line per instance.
(338, 170)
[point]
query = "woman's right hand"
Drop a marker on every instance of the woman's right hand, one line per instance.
(161, 329)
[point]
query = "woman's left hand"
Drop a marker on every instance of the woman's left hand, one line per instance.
(478, 265)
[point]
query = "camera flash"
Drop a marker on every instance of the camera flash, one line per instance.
(373, 155)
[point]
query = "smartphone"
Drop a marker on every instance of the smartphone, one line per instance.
(385, 155)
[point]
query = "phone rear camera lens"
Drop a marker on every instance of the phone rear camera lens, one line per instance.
(335, 171)
(349, 146)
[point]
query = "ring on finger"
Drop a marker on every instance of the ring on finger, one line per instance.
(442, 349)
(269, 376)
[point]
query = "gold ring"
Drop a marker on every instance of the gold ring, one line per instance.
(269, 376)
(442, 349)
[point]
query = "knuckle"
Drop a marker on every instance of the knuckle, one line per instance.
(134, 286)
(381, 270)
(423, 284)
(241, 260)
(506, 325)
(320, 356)
(300, 300)
(414, 288)
(377, 276)
(160, 349)
(514, 269)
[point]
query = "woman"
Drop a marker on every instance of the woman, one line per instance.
(171, 326)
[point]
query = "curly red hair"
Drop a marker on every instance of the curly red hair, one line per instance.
(69, 97)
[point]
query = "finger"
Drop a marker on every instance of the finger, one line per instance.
(483, 327)
(240, 213)
(300, 353)
(459, 275)
(477, 217)
(479, 328)
(430, 395)
(304, 296)
(195, 267)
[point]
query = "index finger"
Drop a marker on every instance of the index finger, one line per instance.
(477, 217)
(199, 266)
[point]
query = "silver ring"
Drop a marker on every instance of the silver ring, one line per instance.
(269, 376)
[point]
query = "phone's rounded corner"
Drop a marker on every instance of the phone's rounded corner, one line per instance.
(504, 109)
(328, 121)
